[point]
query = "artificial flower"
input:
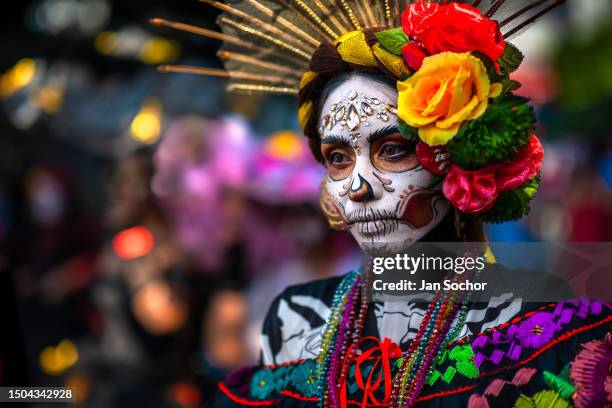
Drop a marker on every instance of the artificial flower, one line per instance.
(452, 27)
(448, 90)
(413, 55)
(434, 159)
(476, 191)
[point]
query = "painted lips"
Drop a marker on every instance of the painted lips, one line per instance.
(377, 228)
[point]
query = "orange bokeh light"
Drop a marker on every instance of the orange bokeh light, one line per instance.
(133, 243)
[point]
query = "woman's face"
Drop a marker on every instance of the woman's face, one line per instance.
(373, 176)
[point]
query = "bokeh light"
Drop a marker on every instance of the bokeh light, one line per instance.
(285, 145)
(54, 360)
(146, 126)
(17, 77)
(158, 50)
(157, 309)
(133, 243)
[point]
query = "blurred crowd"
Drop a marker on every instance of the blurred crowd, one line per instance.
(147, 221)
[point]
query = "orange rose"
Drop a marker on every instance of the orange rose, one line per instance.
(447, 91)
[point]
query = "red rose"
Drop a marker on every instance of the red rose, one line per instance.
(413, 55)
(434, 159)
(452, 27)
(476, 191)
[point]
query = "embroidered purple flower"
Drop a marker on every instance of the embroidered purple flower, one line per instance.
(536, 331)
(590, 372)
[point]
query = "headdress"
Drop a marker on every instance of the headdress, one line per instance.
(451, 61)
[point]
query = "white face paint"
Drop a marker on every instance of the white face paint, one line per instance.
(373, 176)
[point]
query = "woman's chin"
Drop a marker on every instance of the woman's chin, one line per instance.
(390, 244)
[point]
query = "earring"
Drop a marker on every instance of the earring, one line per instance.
(334, 219)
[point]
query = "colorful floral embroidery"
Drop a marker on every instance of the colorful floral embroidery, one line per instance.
(588, 383)
(543, 399)
(263, 384)
(521, 377)
(463, 358)
(557, 395)
(535, 332)
(560, 383)
(591, 373)
(304, 378)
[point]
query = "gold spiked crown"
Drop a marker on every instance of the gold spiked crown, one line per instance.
(268, 44)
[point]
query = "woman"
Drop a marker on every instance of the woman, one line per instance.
(423, 140)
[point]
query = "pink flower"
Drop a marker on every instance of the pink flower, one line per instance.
(475, 191)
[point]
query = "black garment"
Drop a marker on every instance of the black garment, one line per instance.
(506, 340)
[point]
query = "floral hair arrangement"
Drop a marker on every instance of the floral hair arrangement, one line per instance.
(455, 102)
(458, 104)
(451, 64)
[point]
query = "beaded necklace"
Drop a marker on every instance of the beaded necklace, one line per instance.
(341, 336)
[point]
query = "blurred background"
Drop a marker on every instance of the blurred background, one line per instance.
(148, 220)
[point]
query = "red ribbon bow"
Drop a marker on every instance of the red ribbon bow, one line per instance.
(381, 354)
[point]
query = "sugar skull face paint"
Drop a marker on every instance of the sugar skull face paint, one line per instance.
(373, 176)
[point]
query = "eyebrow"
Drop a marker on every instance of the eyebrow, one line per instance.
(335, 139)
(382, 132)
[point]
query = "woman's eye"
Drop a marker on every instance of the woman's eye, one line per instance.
(338, 159)
(393, 151)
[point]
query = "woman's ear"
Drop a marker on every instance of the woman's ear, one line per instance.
(334, 218)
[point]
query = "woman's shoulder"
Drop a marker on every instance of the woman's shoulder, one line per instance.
(320, 288)
(316, 295)
(294, 323)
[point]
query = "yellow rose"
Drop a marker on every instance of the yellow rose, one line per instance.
(448, 90)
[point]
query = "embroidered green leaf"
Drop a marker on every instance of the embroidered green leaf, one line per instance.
(433, 377)
(393, 40)
(558, 384)
(464, 357)
(511, 59)
(449, 374)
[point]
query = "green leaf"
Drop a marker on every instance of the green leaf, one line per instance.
(407, 131)
(511, 205)
(511, 59)
(492, 73)
(403, 76)
(509, 85)
(393, 40)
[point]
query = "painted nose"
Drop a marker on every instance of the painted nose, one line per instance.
(361, 190)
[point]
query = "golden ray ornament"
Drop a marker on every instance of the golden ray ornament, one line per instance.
(267, 44)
